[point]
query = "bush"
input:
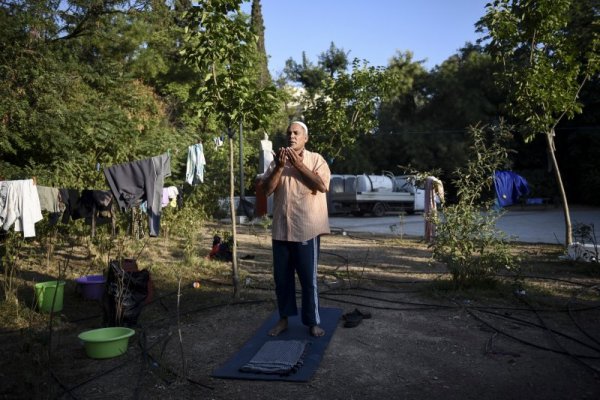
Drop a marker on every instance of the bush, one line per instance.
(467, 240)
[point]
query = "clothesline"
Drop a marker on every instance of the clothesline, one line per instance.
(130, 184)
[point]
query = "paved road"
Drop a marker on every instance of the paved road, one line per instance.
(543, 225)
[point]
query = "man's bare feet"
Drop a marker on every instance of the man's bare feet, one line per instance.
(281, 326)
(316, 331)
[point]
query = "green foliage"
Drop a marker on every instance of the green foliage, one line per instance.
(466, 239)
(311, 77)
(221, 48)
(334, 60)
(220, 44)
(346, 108)
(185, 223)
(70, 100)
(548, 52)
(461, 92)
(424, 122)
(404, 74)
(258, 27)
(339, 105)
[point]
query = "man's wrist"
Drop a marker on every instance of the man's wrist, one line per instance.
(301, 167)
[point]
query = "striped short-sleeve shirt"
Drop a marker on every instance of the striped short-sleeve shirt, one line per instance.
(300, 213)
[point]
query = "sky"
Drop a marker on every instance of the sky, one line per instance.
(374, 30)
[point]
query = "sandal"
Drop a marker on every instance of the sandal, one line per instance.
(364, 315)
(351, 320)
(356, 313)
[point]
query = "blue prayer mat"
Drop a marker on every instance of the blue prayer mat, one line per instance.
(313, 352)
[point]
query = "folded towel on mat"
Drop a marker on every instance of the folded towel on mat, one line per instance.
(281, 357)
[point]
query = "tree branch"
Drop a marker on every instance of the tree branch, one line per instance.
(214, 74)
(95, 13)
(585, 78)
(532, 48)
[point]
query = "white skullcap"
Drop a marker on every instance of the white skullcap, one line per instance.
(302, 124)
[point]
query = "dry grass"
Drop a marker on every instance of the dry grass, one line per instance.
(345, 261)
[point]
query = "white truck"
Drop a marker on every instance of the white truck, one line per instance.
(374, 194)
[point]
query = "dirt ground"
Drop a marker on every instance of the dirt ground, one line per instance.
(424, 340)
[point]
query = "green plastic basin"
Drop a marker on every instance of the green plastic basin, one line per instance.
(49, 294)
(106, 342)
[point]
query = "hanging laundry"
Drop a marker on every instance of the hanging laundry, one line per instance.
(266, 154)
(20, 205)
(169, 196)
(510, 188)
(143, 207)
(218, 141)
(194, 173)
(136, 181)
(103, 200)
(96, 207)
(49, 199)
(172, 194)
(93, 204)
(164, 201)
(69, 199)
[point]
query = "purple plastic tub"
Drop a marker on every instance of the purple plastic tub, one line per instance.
(91, 287)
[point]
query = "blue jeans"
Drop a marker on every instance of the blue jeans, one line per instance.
(302, 258)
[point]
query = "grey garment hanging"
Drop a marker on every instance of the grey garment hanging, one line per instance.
(134, 182)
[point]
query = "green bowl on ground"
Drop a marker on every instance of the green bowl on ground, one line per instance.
(49, 296)
(106, 342)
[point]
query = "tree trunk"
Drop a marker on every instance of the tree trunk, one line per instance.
(561, 188)
(234, 266)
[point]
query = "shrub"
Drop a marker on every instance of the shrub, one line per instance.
(467, 240)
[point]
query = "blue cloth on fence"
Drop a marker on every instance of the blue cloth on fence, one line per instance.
(510, 187)
(278, 357)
